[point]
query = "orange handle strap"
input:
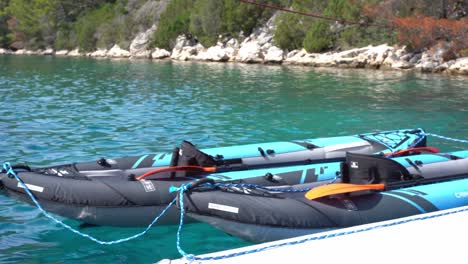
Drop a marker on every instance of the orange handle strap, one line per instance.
(177, 168)
(415, 150)
(338, 188)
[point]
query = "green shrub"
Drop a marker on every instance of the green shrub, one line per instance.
(5, 35)
(175, 20)
(5, 39)
(205, 21)
(318, 37)
(34, 18)
(291, 29)
(65, 38)
(464, 53)
(290, 32)
(243, 17)
(86, 27)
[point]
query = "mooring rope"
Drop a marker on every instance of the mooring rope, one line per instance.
(7, 168)
(448, 138)
(338, 233)
(11, 173)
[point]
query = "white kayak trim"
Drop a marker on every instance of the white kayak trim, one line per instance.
(31, 187)
(414, 239)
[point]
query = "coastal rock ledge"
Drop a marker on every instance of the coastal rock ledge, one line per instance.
(256, 49)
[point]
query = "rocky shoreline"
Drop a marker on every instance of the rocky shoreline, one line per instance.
(258, 48)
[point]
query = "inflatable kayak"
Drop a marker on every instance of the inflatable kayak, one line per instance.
(378, 189)
(132, 191)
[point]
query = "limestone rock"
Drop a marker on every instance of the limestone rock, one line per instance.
(274, 55)
(48, 52)
(139, 45)
(215, 53)
(141, 54)
(394, 61)
(61, 52)
(74, 53)
(186, 47)
(99, 53)
(459, 66)
(249, 52)
(117, 52)
(160, 53)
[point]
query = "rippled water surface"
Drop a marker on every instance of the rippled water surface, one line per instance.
(60, 110)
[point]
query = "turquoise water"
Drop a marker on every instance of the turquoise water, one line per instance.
(60, 110)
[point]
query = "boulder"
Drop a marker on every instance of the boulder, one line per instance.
(274, 55)
(292, 53)
(226, 48)
(188, 53)
(48, 52)
(184, 41)
(117, 52)
(232, 43)
(426, 66)
(6, 51)
(142, 54)
(250, 52)
(353, 58)
(402, 64)
(20, 52)
(377, 55)
(186, 47)
(352, 53)
(300, 57)
(394, 61)
(139, 45)
(264, 34)
(459, 66)
(416, 58)
(427, 63)
(61, 52)
(99, 53)
(215, 53)
(74, 53)
(441, 67)
(325, 60)
(158, 53)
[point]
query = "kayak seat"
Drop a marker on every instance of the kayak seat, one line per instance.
(373, 169)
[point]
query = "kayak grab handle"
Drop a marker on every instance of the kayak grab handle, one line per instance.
(177, 168)
(410, 151)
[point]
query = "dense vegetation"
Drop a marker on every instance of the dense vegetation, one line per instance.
(208, 19)
(378, 22)
(92, 24)
(66, 24)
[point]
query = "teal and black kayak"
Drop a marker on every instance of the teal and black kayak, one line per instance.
(271, 154)
(132, 191)
(379, 189)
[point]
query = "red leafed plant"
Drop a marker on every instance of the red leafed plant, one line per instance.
(424, 32)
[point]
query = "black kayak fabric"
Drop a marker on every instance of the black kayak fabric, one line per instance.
(295, 211)
(111, 182)
(369, 169)
(409, 192)
(97, 191)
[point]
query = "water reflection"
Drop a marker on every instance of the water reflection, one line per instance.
(83, 100)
